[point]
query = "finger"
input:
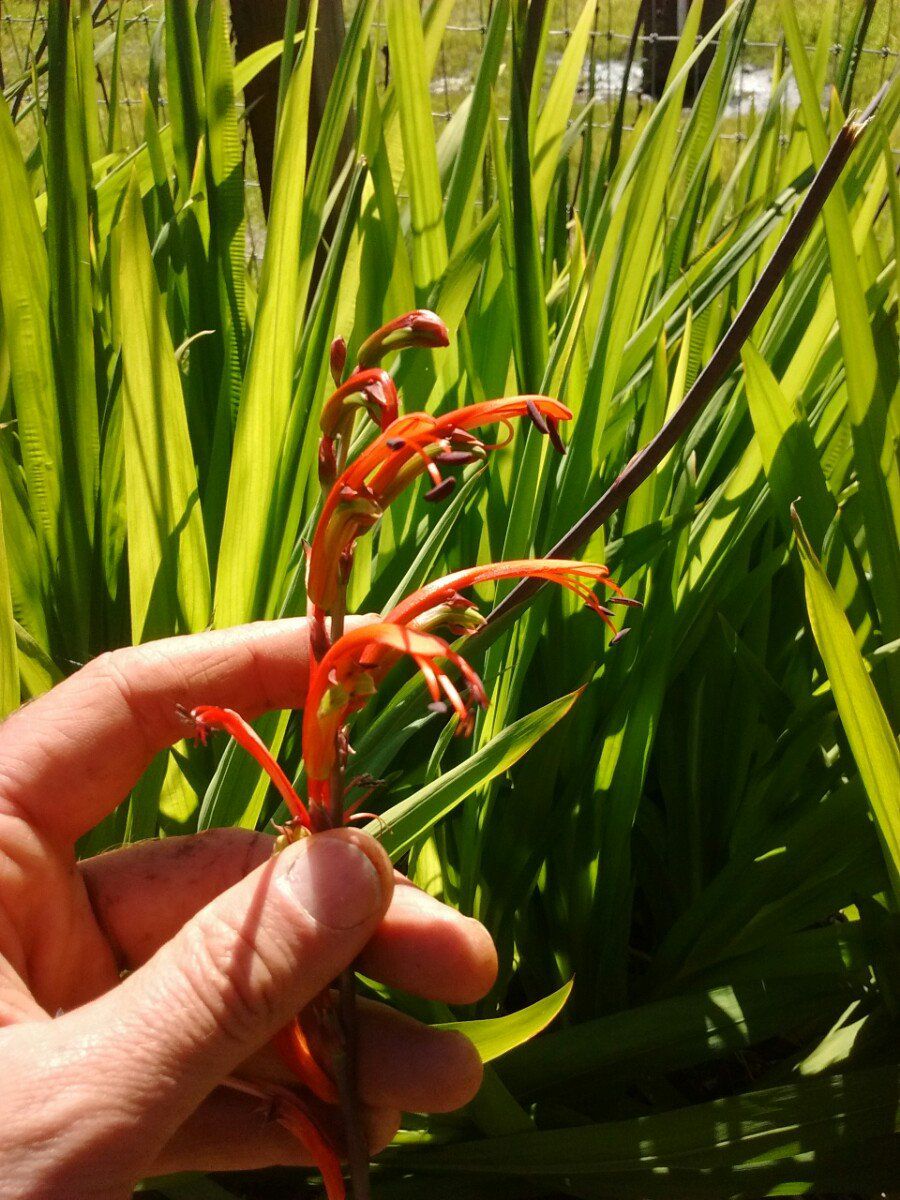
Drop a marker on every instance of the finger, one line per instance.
(143, 894)
(402, 1063)
(234, 975)
(431, 950)
(231, 1132)
(68, 758)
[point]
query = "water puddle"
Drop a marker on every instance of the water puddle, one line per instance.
(751, 88)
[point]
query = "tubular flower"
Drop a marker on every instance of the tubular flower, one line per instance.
(371, 389)
(293, 1044)
(207, 717)
(311, 1124)
(414, 444)
(418, 328)
(341, 684)
(439, 602)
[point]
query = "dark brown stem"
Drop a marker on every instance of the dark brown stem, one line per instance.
(704, 388)
(346, 1054)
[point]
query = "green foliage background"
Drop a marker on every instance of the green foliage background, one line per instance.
(709, 841)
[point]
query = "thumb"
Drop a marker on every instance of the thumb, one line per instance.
(237, 972)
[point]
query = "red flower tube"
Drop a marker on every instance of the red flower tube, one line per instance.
(297, 1116)
(341, 684)
(372, 389)
(412, 445)
(443, 594)
(207, 717)
(418, 328)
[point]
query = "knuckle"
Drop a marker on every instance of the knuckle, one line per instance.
(230, 976)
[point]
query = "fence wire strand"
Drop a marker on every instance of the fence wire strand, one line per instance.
(23, 26)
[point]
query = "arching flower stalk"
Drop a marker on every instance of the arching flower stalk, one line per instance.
(318, 1046)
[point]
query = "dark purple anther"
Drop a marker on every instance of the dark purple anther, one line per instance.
(553, 433)
(456, 458)
(621, 634)
(395, 443)
(441, 490)
(627, 601)
(538, 419)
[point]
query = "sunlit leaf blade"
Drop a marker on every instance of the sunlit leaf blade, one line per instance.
(403, 824)
(270, 366)
(868, 730)
(429, 242)
(495, 1036)
(167, 562)
(879, 475)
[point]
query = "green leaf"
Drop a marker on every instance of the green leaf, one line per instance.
(268, 381)
(495, 1036)
(407, 47)
(868, 730)
(71, 301)
(813, 1131)
(167, 563)
(406, 822)
(464, 179)
(25, 296)
(557, 107)
(879, 474)
(184, 76)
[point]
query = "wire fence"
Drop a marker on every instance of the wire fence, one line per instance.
(23, 29)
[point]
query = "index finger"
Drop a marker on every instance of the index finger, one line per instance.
(68, 758)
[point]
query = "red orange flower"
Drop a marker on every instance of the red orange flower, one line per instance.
(207, 717)
(414, 444)
(341, 684)
(371, 389)
(440, 602)
(418, 328)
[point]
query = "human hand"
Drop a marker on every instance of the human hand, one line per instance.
(222, 943)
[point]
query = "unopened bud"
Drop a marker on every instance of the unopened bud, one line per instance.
(338, 359)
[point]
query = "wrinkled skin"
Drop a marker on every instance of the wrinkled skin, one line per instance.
(133, 984)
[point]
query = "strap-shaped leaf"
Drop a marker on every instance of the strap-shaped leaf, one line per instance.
(407, 821)
(868, 730)
(167, 562)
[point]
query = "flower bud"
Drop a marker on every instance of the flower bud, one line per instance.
(338, 359)
(418, 328)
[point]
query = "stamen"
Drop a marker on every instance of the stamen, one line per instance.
(536, 417)
(553, 432)
(441, 490)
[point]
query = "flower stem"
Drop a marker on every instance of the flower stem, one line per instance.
(346, 1054)
(707, 382)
